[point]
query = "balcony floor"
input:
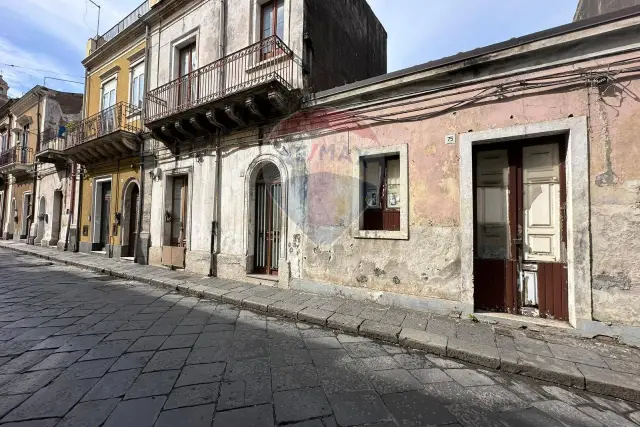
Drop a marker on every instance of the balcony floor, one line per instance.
(253, 106)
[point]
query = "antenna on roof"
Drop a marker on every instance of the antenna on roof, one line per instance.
(98, 6)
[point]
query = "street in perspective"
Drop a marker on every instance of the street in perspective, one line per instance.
(79, 348)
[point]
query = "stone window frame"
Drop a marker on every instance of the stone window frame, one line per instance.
(578, 206)
(356, 203)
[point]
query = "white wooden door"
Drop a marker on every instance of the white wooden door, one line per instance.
(492, 192)
(541, 198)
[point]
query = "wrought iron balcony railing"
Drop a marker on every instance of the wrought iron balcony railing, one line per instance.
(16, 155)
(125, 23)
(268, 60)
(120, 117)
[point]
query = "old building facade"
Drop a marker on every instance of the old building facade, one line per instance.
(35, 186)
(498, 180)
(263, 141)
(227, 70)
(106, 142)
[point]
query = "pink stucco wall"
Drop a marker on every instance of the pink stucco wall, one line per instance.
(428, 263)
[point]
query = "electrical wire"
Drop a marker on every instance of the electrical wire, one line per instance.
(40, 70)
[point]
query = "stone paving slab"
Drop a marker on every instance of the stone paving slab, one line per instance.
(543, 353)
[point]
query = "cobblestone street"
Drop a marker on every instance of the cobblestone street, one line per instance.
(82, 349)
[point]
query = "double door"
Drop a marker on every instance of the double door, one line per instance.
(520, 228)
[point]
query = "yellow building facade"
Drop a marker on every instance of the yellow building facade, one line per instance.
(106, 143)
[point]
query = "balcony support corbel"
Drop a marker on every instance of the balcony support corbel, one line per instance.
(183, 130)
(234, 115)
(211, 118)
(253, 107)
(279, 101)
(95, 153)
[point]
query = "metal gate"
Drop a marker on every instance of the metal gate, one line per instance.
(268, 220)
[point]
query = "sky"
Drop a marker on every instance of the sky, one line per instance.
(49, 37)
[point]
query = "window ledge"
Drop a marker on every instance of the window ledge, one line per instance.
(381, 234)
(264, 63)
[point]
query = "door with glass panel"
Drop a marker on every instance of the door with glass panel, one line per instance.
(272, 24)
(520, 228)
(188, 87)
(107, 117)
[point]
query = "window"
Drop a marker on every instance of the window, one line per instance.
(3, 142)
(178, 214)
(381, 199)
(25, 136)
(137, 85)
(272, 24)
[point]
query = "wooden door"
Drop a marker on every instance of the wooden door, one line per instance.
(105, 209)
(179, 211)
(495, 255)
(133, 221)
(268, 221)
(519, 260)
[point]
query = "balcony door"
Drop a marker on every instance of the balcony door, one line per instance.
(188, 88)
(272, 22)
(108, 100)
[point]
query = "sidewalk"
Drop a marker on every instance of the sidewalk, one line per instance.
(551, 354)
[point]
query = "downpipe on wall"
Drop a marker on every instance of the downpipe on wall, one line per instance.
(31, 239)
(147, 56)
(215, 224)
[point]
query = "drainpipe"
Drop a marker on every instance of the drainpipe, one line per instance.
(147, 57)
(35, 176)
(215, 225)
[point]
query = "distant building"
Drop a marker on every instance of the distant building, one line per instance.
(4, 91)
(589, 8)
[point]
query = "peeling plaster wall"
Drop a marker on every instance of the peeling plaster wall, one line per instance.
(201, 175)
(319, 245)
(428, 264)
(615, 203)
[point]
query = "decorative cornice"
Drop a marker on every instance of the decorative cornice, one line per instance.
(110, 72)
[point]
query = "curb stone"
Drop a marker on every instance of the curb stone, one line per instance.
(597, 380)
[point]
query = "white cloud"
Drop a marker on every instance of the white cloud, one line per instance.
(67, 25)
(21, 80)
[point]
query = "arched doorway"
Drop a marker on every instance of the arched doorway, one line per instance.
(130, 219)
(268, 219)
(42, 212)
